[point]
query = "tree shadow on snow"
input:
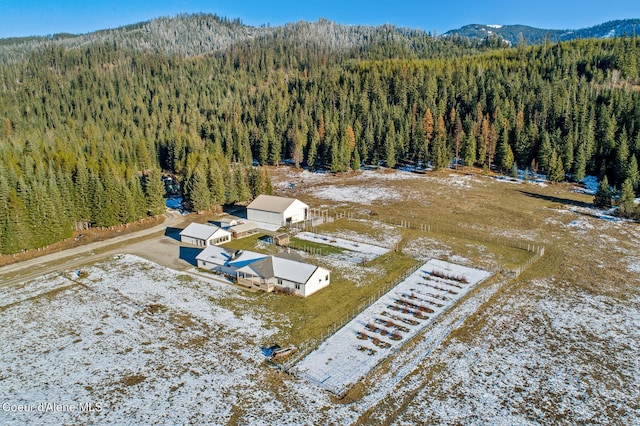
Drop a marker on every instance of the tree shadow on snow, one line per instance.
(188, 254)
(557, 199)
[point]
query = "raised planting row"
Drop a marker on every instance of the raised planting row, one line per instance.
(449, 276)
(409, 321)
(413, 296)
(405, 310)
(389, 323)
(379, 343)
(437, 287)
(414, 305)
(383, 331)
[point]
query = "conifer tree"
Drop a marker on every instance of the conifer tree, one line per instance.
(355, 161)
(153, 189)
(231, 195)
(505, 156)
(632, 173)
(625, 203)
(470, 149)
(312, 152)
(556, 168)
(427, 126)
(440, 153)
(390, 146)
(602, 197)
(545, 153)
(255, 182)
(622, 159)
(240, 179)
(579, 164)
(215, 183)
(268, 188)
(196, 192)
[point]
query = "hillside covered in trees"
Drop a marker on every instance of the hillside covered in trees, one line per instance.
(86, 129)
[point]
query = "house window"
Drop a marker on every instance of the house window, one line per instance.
(297, 286)
(279, 281)
(326, 277)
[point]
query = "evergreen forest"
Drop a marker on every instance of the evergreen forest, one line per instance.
(88, 130)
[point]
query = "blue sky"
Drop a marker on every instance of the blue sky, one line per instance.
(39, 17)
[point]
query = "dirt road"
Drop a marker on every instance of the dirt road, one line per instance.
(76, 257)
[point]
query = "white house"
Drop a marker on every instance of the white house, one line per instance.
(280, 211)
(263, 272)
(275, 273)
(223, 261)
(203, 235)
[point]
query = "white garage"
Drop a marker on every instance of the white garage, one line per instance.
(203, 235)
(279, 211)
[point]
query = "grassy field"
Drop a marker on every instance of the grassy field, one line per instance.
(558, 344)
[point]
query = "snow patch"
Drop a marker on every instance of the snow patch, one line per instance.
(362, 195)
(381, 329)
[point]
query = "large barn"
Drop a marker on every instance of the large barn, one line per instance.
(203, 235)
(279, 211)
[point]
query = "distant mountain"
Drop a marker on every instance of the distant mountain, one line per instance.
(514, 33)
(199, 34)
(191, 35)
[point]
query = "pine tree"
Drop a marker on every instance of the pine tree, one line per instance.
(470, 150)
(240, 179)
(153, 188)
(505, 156)
(602, 197)
(263, 149)
(196, 192)
(255, 182)
(632, 173)
(545, 152)
(215, 182)
(622, 159)
(626, 205)
(514, 170)
(440, 153)
(268, 188)
(312, 152)
(556, 168)
(579, 164)
(427, 126)
(390, 146)
(355, 162)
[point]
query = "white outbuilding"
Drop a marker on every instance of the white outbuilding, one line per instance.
(275, 210)
(203, 235)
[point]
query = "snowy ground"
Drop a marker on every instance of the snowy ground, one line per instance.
(377, 332)
(142, 343)
(365, 196)
(360, 250)
(572, 360)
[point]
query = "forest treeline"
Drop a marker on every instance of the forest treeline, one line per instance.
(86, 132)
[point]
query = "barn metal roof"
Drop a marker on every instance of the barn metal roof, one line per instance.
(202, 231)
(272, 203)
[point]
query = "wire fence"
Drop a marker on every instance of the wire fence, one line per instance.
(537, 250)
(333, 328)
